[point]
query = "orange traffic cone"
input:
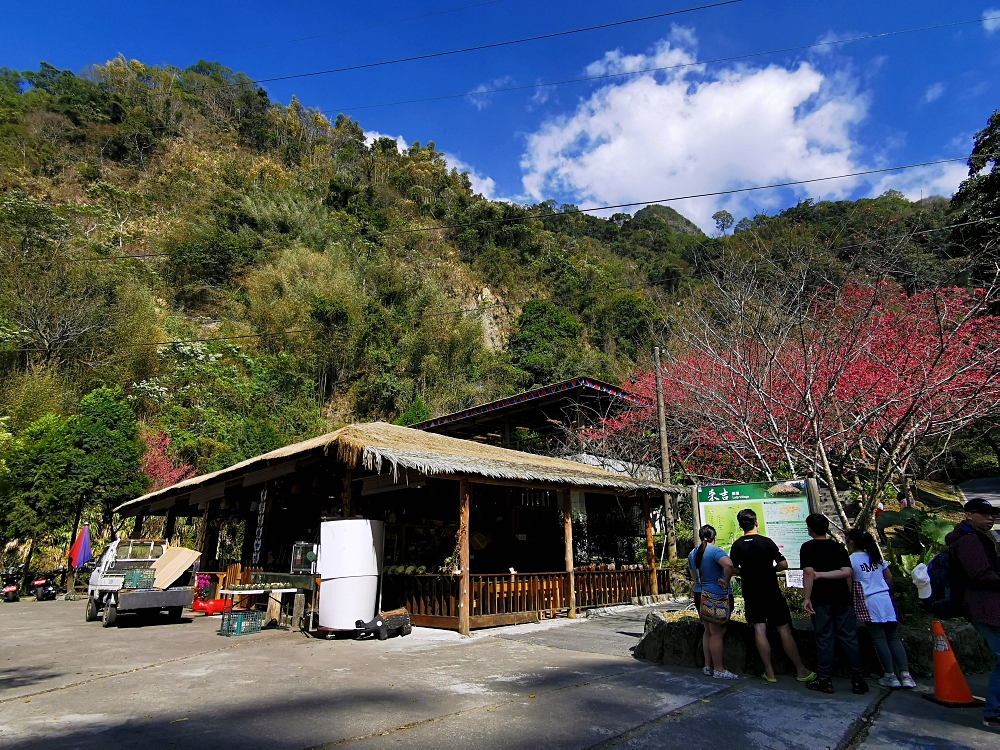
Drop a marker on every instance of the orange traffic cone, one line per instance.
(950, 687)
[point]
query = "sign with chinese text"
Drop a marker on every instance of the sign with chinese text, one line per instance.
(781, 509)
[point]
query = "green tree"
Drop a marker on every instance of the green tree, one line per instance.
(546, 338)
(40, 491)
(978, 197)
(415, 413)
(109, 469)
(723, 220)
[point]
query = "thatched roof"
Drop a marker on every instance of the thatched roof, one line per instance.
(381, 447)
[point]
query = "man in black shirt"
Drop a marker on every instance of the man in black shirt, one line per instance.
(830, 601)
(759, 560)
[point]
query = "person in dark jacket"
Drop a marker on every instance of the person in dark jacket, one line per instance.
(974, 548)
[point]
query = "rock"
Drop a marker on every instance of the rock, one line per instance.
(676, 641)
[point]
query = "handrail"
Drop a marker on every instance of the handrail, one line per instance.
(437, 594)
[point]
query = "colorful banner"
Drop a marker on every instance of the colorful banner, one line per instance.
(781, 509)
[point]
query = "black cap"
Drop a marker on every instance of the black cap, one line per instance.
(979, 505)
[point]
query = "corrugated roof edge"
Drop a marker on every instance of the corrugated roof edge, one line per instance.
(531, 395)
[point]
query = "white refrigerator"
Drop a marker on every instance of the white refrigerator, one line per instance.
(350, 560)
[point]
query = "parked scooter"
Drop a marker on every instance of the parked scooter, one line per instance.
(44, 585)
(12, 583)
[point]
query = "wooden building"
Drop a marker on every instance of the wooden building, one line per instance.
(476, 535)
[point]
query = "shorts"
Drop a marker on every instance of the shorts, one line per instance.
(770, 608)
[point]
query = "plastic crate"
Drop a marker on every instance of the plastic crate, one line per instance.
(139, 578)
(242, 622)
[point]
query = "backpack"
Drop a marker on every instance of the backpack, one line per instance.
(947, 585)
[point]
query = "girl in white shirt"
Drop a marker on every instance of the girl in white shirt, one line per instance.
(872, 572)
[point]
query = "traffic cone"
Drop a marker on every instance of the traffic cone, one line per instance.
(950, 687)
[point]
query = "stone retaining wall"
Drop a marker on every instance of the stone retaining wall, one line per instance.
(678, 643)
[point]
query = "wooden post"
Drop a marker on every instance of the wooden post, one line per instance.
(669, 509)
(345, 497)
(464, 600)
(169, 524)
(812, 492)
(140, 518)
(650, 547)
(568, 536)
(696, 512)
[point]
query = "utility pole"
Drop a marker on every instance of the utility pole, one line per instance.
(668, 505)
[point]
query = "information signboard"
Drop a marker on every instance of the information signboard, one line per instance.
(781, 509)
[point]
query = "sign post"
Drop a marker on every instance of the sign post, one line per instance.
(781, 509)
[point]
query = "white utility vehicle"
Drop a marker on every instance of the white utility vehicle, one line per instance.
(123, 581)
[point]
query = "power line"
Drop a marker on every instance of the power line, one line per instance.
(478, 47)
(529, 217)
(675, 198)
(364, 28)
(644, 71)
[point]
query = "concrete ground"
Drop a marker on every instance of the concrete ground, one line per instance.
(563, 683)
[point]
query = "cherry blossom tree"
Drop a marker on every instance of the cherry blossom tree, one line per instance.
(158, 464)
(768, 378)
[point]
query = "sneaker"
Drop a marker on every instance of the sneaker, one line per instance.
(906, 681)
(890, 681)
(820, 686)
(727, 675)
(993, 722)
(707, 671)
(859, 686)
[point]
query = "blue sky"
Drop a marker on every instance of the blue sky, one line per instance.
(786, 116)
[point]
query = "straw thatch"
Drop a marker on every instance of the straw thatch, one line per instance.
(379, 447)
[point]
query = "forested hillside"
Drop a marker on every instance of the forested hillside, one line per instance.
(327, 277)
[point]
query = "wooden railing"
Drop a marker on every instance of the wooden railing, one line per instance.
(505, 599)
(424, 596)
(544, 593)
(602, 588)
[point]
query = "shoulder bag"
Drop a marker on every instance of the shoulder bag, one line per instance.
(714, 607)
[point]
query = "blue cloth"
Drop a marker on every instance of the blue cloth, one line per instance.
(710, 571)
(80, 551)
(991, 634)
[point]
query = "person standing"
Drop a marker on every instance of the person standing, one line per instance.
(712, 570)
(973, 546)
(759, 560)
(829, 599)
(872, 572)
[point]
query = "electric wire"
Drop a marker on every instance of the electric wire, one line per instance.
(644, 71)
(530, 217)
(673, 199)
(475, 48)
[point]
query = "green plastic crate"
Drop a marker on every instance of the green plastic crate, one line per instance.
(241, 622)
(139, 578)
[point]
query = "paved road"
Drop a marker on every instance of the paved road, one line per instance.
(66, 683)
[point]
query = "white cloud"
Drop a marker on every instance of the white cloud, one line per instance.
(939, 179)
(481, 99)
(933, 92)
(991, 19)
(373, 135)
(686, 132)
(485, 186)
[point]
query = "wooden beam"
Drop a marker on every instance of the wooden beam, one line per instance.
(568, 537)
(650, 547)
(464, 600)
